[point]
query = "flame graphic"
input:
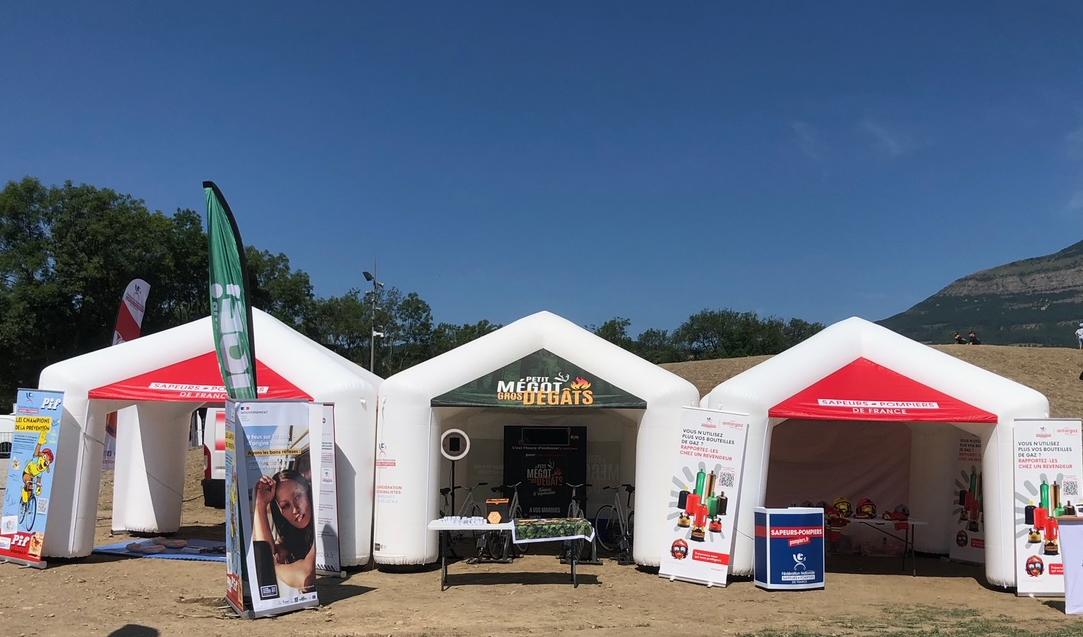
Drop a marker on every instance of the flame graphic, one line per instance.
(580, 383)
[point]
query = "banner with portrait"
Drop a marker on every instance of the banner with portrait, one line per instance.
(276, 505)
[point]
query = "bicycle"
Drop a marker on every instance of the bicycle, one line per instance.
(28, 510)
(468, 509)
(584, 555)
(499, 544)
(613, 525)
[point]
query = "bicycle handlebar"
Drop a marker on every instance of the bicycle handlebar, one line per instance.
(447, 490)
(576, 486)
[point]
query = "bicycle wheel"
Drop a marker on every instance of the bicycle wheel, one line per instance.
(498, 544)
(31, 513)
(607, 528)
(631, 524)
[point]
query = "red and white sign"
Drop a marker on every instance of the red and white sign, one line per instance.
(130, 316)
(197, 379)
(1048, 469)
(864, 390)
(701, 524)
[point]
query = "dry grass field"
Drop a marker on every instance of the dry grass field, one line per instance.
(103, 595)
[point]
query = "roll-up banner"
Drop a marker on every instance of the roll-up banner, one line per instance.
(328, 559)
(706, 486)
(967, 508)
(34, 449)
(275, 506)
(1048, 467)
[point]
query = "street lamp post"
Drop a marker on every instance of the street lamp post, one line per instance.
(376, 286)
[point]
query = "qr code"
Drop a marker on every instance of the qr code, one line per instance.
(1070, 487)
(725, 479)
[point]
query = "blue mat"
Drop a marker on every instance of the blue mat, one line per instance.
(197, 550)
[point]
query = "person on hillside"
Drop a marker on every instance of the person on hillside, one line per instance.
(959, 340)
(1079, 335)
(972, 338)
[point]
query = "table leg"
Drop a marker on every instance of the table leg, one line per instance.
(906, 545)
(913, 551)
(574, 556)
(444, 541)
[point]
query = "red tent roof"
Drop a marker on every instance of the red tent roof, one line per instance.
(863, 390)
(197, 379)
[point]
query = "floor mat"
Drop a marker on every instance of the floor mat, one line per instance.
(196, 550)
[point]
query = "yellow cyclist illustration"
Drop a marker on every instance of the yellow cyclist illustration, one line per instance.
(38, 464)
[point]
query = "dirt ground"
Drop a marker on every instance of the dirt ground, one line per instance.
(103, 595)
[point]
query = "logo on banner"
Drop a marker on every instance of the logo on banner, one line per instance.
(554, 391)
(799, 561)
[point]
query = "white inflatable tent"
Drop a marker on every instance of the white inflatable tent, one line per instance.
(415, 409)
(860, 372)
(166, 376)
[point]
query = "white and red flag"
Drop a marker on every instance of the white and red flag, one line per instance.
(130, 315)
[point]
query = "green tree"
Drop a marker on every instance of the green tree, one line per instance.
(66, 255)
(408, 333)
(615, 330)
(448, 336)
(657, 346)
(341, 323)
(279, 290)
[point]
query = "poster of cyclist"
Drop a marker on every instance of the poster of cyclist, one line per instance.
(30, 476)
(276, 505)
(702, 503)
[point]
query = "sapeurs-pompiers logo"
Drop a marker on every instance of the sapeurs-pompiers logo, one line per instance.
(546, 391)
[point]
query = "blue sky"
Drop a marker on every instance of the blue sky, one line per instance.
(817, 160)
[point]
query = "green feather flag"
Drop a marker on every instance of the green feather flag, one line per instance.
(231, 313)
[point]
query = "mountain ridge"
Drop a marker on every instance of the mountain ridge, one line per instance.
(1034, 301)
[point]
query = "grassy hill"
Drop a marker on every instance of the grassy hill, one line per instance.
(1054, 371)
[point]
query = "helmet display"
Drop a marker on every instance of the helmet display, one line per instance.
(866, 509)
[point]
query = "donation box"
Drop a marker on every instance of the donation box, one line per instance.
(789, 548)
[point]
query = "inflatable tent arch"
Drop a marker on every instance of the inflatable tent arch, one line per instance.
(850, 366)
(413, 414)
(116, 377)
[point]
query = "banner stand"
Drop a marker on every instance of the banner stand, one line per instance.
(708, 461)
(1047, 472)
(23, 563)
(35, 449)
